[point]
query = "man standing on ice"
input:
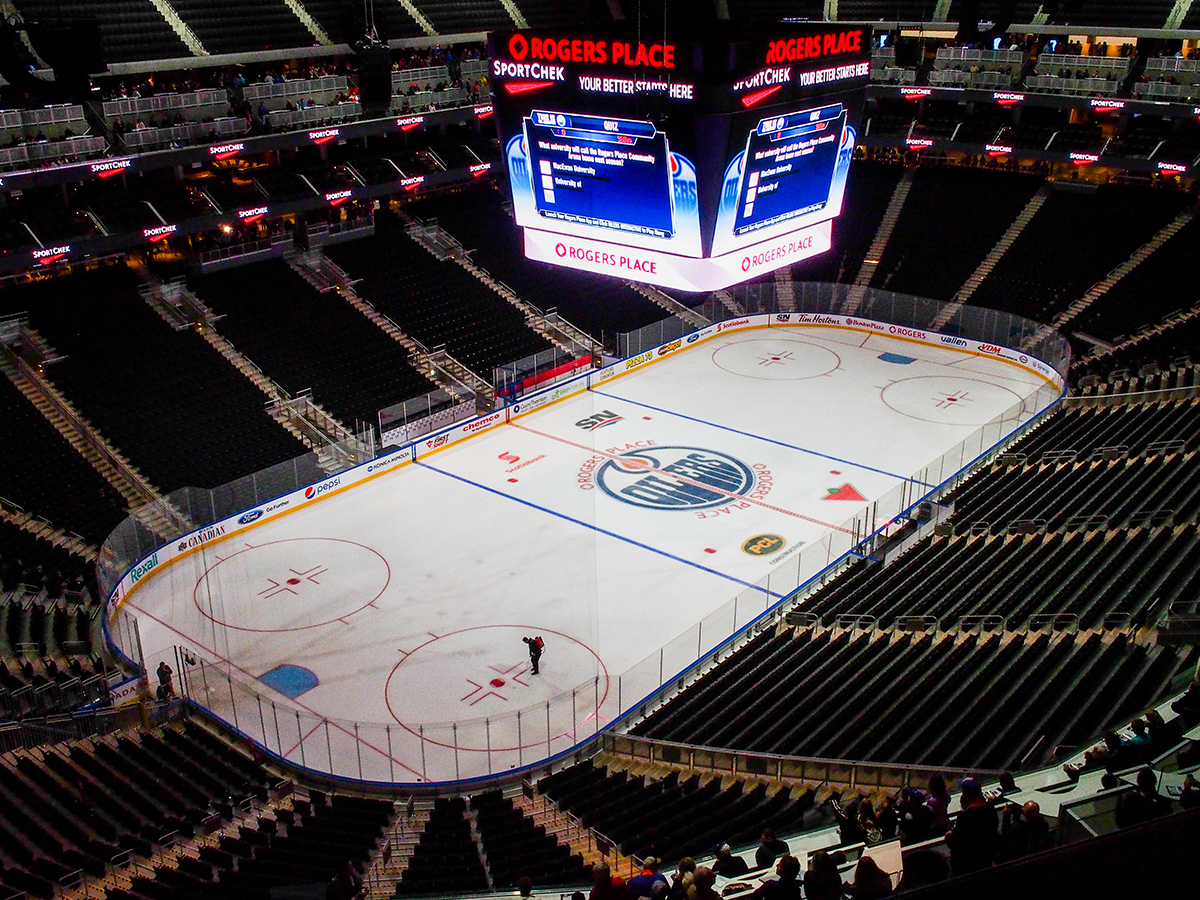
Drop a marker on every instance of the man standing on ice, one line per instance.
(535, 650)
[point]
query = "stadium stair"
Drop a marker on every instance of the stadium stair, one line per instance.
(1140, 255)
(181, 28)
(989, 262)
(875, 252)
(313, 26)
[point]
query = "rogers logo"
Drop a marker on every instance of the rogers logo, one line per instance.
(906, 332)
(736, 322)
(518, 47)
(560, 250)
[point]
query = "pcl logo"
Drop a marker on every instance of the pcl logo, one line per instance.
(763, 544)
(250, 517)
(688, 478)
(316, 490)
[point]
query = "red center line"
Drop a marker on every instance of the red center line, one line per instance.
(685, 480)
(302, 706)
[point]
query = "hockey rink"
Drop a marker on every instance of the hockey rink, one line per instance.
(633, 526)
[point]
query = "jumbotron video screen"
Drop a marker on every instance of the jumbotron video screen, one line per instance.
(687, 165)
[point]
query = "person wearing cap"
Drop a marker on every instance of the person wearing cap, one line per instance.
(727, 865)
(973, 838)
(643, 885)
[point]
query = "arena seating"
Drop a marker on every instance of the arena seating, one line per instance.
(1146, 295)
(591, 302)
(45, 475)
(867, 193)
(553, 12)
(445, 859)
(222, 27)
(843, 694)
(132, 29)
(450, 17)
(437, 302)
(160, 405)
(1083, 430)
(916, 261)
(1058, 257)
(516, 847)
(26, 559)
(343, 25)
(1168, 349)
(304, 339)
(674, 816)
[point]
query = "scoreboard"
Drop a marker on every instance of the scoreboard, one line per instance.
(693, 165)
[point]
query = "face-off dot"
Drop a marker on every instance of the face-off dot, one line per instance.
(513, 480)
(497, 682)
(709, 550)
(293, 581)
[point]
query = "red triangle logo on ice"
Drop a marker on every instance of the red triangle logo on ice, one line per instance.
(845, 492)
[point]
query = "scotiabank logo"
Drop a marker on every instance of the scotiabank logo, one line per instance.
(159, 233)
(316, 490)
(725, 326)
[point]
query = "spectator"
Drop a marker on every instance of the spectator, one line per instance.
(886, 818)
(1143, 803)
(702, 885)
(682, 879)
(1023, 833)
(870, 881)
(643, 885)
(938, 802)
(1188, 706)
(973, 839)
(346, 885)
(915, 817)
(822, 881)
(525, 886)
(727, 865)
(786, 886)
(607, 886)
(769, 848)
(1189, 796)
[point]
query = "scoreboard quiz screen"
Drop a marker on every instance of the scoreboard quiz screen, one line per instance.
(694, 166)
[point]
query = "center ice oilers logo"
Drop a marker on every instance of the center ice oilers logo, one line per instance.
(675, 478)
